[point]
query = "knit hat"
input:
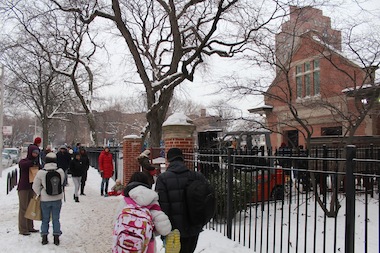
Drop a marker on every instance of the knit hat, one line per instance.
(146, 153)
(63, 147)
(36, 151)
(37, 140)
(51, 158)
(174, 154)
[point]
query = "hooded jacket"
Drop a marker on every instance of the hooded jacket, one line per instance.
(106, 164)
(143, 196)
(24, 165)
(39, 184)
(170, 186)
(63, 159)
(77, 167)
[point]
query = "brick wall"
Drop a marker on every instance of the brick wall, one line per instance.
(131, 150)
(180, 136)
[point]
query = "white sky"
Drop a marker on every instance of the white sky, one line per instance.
(203, 89)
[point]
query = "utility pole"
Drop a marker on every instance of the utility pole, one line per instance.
(1, 115)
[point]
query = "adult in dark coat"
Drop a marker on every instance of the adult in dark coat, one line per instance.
(86, 166)
(63, 161)
(148, 169)
(77, 169)
(24, 188)
(170, 186)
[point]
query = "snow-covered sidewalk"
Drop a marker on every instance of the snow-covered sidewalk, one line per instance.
(86, 226)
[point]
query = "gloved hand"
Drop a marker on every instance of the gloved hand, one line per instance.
(163, 238)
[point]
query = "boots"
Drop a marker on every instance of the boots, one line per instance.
(56, 240)
(44, 239)
(76, 199)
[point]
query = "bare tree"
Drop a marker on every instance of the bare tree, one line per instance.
(168, 40)
(67, 47)
(32, 83)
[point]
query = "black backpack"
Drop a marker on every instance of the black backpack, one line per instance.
(200, 200)
(53, 182)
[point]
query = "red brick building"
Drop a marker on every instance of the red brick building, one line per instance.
(317, 89)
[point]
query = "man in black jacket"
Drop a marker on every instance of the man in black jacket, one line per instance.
(63, 161)
(170, 186)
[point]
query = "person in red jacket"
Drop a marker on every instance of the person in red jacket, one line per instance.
(106, 170)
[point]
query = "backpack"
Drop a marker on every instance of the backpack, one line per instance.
(133, 229)
(200, 200)
(53, 182)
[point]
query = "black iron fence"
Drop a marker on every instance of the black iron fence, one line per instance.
(11, 180)
(321, 200)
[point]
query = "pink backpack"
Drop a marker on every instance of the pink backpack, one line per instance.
(133, 229)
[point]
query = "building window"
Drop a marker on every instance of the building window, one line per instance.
(326, 131)
(316, 82)
(307, 66)
(299, 86)
(307, 85)
(308, 78)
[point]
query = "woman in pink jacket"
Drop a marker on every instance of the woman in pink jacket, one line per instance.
(106, 170)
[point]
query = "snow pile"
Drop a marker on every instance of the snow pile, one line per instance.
(178, 118)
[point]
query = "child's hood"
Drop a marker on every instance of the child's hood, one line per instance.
(143, 196)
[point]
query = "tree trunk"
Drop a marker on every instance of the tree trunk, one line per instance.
(45, 133)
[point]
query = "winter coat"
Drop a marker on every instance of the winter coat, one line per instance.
(118, 188)
(63, 160)
(24, 165)
(106, 164)
(143, 196)
(170, 186)
(85, 160)
(145, 163)
(76, 168)
(39, 184)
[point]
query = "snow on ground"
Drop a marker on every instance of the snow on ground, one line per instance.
(86, 226)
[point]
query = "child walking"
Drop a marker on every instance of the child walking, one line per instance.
(77, 169)
(139, 193)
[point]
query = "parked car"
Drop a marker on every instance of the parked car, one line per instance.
(14, 153)
(6, 160)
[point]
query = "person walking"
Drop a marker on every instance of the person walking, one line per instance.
(138, 192)
(24, 188)
(76, 168)
(170, 187)
(86, 165)
(50, 204)
(147, 168)
(43, 154)
(106, 170)
(63, 161)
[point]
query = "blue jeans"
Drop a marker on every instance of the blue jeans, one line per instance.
(104, 185)
(52, 208)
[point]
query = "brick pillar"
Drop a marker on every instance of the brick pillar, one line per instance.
(131, 150)
(177, 132)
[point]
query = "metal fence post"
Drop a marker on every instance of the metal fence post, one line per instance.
(350, 199)
(229, 194)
